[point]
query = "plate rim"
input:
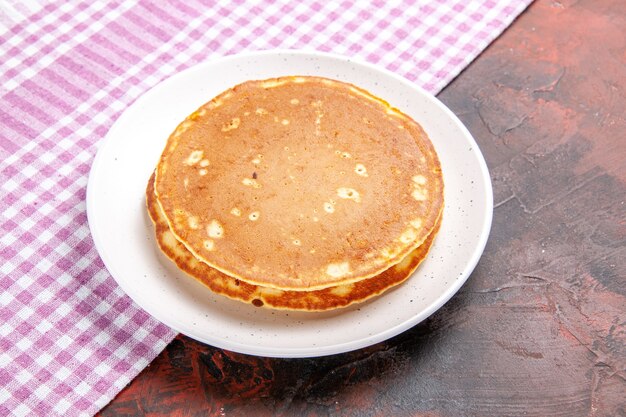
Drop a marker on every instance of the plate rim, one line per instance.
(300, 352)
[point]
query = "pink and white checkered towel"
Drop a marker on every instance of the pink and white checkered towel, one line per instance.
(69, 337)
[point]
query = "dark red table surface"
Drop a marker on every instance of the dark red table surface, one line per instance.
(540, 327)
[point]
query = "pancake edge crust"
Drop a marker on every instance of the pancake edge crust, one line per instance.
(333, 298)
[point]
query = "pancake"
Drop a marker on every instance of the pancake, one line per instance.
(342, 295)
(299, 183)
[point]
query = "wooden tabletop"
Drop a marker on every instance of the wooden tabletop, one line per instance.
(540, 326)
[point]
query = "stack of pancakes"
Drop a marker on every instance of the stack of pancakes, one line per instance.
(299, 193)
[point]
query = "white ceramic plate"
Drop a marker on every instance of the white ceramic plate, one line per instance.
(123, 233)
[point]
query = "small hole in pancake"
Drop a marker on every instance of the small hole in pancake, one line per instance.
(257, 303)
(337, 270)
(232, 124)
(193, 158)
(193, 222)
(419, 194)
(250, 182)
(349, 193)
(215, 229)
(419, 179)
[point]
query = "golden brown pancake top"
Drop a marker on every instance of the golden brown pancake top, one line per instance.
(299, 183)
